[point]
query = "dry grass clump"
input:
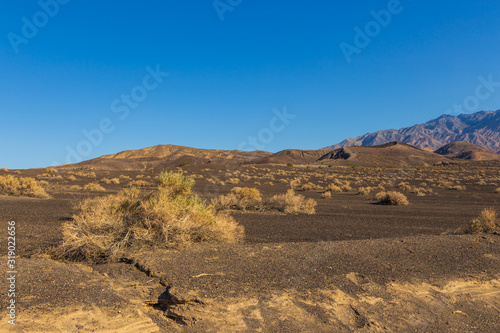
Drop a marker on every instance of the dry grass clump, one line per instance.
(71, 178)
(310, 187)
(4, 169)
(295, 183)
(110, 181)
(487, 221)
(116, 226)
(233, 181)
(124, 177)
(497, 190)
(334, 188)
(94, 187)
(75, 188)
(326, 194)
(90, 174)
(51, 170)
(292, 203)
(139, 183)
(391, 198)
(240, 198)
(364, 190)
(25, 187)
(457, 187)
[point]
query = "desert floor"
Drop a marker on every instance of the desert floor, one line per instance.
(354, 265)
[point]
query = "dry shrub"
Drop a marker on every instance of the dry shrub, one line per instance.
(51, 170)
(346, 187)
(124, 177)
(292, 203)
(139, 183)
(75, 188)
(241, 198)
(90, 174)
(326, 194)
(94, 187)
(487, 221)
(233, 181)
(71, 178)
(110, 181)
(497, 190)
(457, 188)
(116, 226)
(364, 191)
(295, 183)
(310, 187)
(404, 186)
(391, 198)
(4, 169)
(334, 188)
(26, 187)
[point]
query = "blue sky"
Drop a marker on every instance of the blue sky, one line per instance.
(225, 77)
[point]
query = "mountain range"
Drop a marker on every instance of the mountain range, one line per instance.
(481, 128)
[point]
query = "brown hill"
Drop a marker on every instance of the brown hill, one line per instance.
(162, 156)
(467, 151)
(394, 153)
(481, 128)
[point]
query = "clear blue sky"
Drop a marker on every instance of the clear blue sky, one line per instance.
(227, 76)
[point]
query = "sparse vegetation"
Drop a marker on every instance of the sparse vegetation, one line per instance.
(24, 186)
(326, 194)
(364, 191)
(292, 203)
(94, 187)
(487, 221)
(139, 183)
(110, 181)
(391, 198)
(240, 198)
(115, 226)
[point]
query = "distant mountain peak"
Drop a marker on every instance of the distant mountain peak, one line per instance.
(480, 128)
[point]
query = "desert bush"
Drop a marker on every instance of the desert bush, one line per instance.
(177, 182)
(4, 169)
(457, 188)
(26, 187)
(124, 177)
(185, 163)
(309, 187)
(289, 165)
(110, 181)
(233, 181)
(116, 226)
(364, 191)
(292, 203)
(294, 183)
(487, 221)
(90, 174)
(139, 183)
(497, 190)
(346, 187)
(334, 188)
(241, 198)
(71, 178)
(94, 187)
(326, 194)
(49, 176)
(75, 188)
(51, 170)
(391, 198)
